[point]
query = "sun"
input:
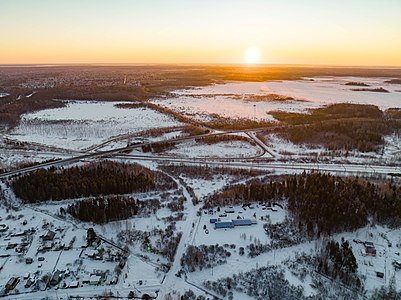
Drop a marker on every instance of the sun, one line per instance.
(252, 55)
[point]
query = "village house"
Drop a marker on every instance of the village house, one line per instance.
(370, 249)
(48, 236)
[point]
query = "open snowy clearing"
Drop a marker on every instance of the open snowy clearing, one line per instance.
(286, 150)
(241, 236)
(203, 108)
(229, 100)
(82, 124)
(10, 158)
(204, 188)
(229, 149)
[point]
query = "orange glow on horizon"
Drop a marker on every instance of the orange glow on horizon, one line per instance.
(286, 32)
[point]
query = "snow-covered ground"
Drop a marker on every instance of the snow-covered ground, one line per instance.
(203, 188)
(239, 235)
(10, 158)
(203, 108)
(229, 99)
(82, 124)
(286, 150)
(142, 270)
(386, 241)
(227, 149)
(2, 95)
(332, 89)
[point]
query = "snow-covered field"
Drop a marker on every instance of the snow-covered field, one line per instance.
(82, 124)
(332, 89)
(10, 158)
(286, 150)
(203, 188)
(229, 100)
(227, 149)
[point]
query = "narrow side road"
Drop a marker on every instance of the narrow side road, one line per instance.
(188, 229)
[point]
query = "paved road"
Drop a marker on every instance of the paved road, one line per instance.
(261, 144)
(250, 162)
(108, 153)
(351, 169)
(187, 232)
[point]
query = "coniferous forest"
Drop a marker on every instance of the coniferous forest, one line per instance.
(321, 203)
(103, 210)
(342, 126)
(94, 179)
(338, 261)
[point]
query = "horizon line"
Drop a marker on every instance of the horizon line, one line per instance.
(200, 64)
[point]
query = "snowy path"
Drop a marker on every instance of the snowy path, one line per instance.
(261, 144)
(188, 228)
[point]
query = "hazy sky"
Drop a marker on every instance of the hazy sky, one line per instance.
(340, 32)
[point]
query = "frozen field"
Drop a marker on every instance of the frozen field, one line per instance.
(230, 149)
(82, 124)
(10, 158)
(203, 108)
(230, 99)
(284, 149)
(327, 90)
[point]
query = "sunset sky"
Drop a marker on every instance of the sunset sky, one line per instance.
(341, 32)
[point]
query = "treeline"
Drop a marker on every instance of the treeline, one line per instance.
(393, 113)
(338, 262)
(265, 282)
(10, 110)
(158, 147)
(339, 127)
(94, 179)
(194, 130)
(176, 205)
(330, 112)
(102, 210)
(321, 203)
(376, 90)
(268, 97)
(204, 256)
(209, 172)
(131, 105)
(221, 122)
(109, 92)
(357, 83)
(394, 81)
(164, 110)
(24, 164)
(213, 139)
